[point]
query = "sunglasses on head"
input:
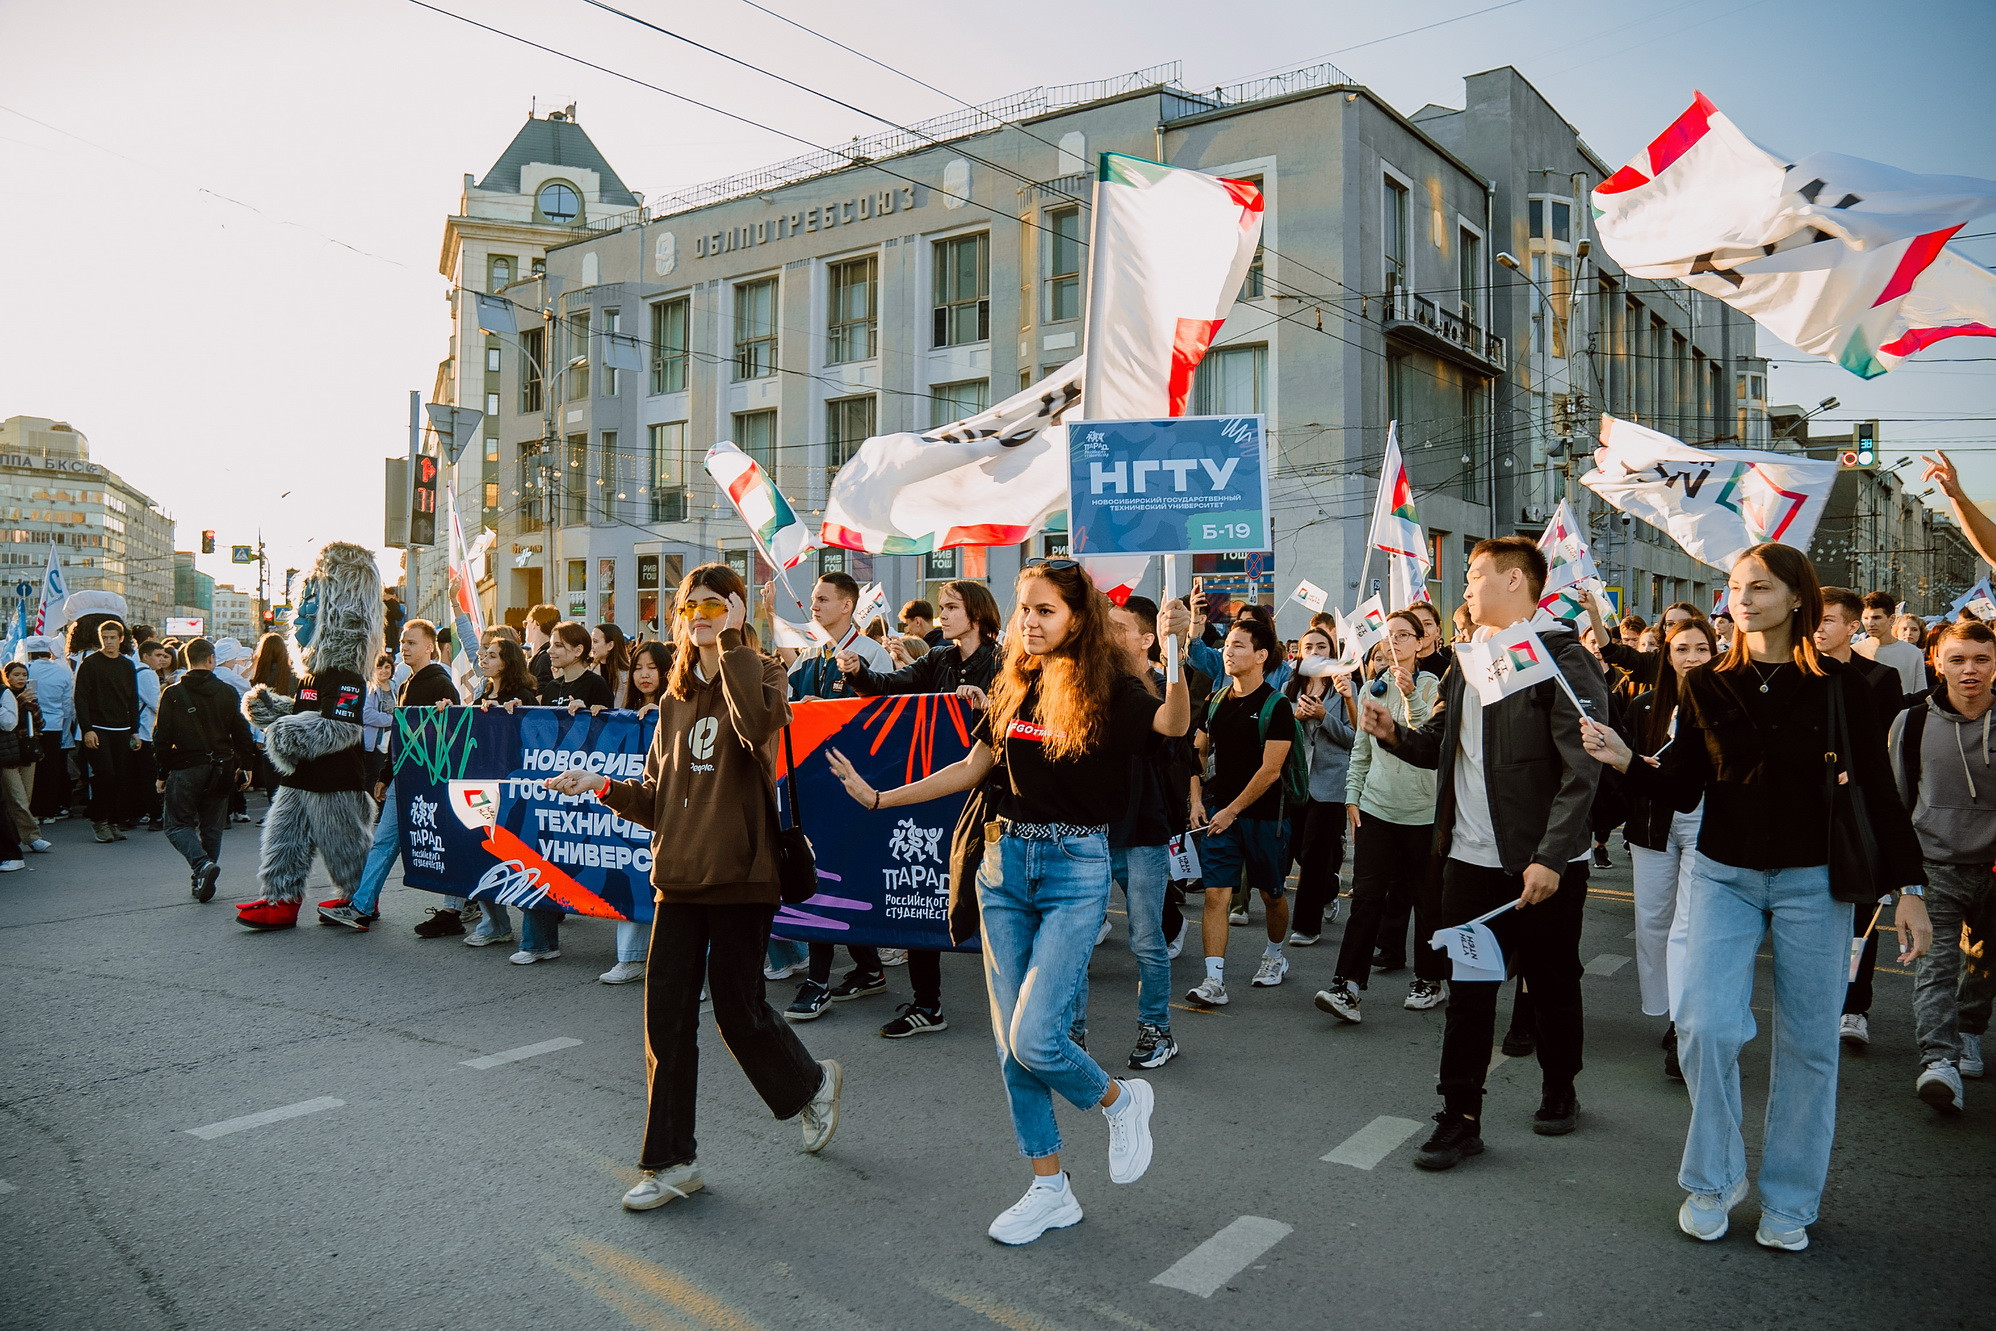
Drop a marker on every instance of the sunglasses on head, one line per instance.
(1054, 565)
(704, 610)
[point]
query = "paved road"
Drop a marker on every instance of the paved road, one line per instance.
(419, 1191)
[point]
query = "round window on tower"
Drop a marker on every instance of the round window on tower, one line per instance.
(559, 203)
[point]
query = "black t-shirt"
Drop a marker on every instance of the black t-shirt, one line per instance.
(428, 687)
(589, 686)
(1235, 734)
(1091, 790)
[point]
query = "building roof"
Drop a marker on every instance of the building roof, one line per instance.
(556, 140)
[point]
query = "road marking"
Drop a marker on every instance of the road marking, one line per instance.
(1219, 1259)
(524, 1051)
(996, 1310)
(646, 1294)
(1202, 1011)
(1373, 1142)
(1606, 964)
(247, 1121)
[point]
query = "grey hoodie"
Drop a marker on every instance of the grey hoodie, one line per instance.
(1955, 812)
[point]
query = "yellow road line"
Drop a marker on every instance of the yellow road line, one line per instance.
(684, 1298)
(1014, 1319)
(639, 1313)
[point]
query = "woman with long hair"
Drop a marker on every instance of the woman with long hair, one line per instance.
(1317, 831)
(270, 666)
(610, 654)
(509, 681)
(1754, 744)
(1662, 839)
(573, 684)
(651, 667)
(1066, 717)
(708, 798)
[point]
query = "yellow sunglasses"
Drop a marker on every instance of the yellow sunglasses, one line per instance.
(704, 610)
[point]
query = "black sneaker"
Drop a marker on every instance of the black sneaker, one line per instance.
(204, 880)
(1601, 860)
(1556, 1115)
(1455, 1138)
(859, 985)
(440, 924)
(914, 1021)
(1671, 1067)
(809, 1005)
(1155, 1047)
(1518, 1044)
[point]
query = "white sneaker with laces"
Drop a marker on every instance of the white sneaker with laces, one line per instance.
(1780, 1234)
(1706, 1216)
(656, 1187)
(12, 866)
(821, 1116)
(1210, 993)
(1940, 1086)
(785, 972)
(1270, 972)
(1970, 1062)
(1049, 1204)
(1301, 940)
(624, 972)
(1855, 1030)
(1178, 943)
(526, 958)
(893, 956)
(1339, 1001)
(477, 939)
(1237, 917)
(1425, 994)
(1129, 1130)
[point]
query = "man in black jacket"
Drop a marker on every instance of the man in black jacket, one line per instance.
(1511, 818)
(107, 716)
(204, 751)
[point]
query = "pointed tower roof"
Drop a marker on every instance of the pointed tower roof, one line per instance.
(558, 141)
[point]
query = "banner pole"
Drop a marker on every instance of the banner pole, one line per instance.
(1171, 667)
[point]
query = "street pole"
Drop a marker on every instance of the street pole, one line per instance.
(409, 547)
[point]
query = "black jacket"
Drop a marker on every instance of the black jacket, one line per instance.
(1538, 776)
(940, 671)
(1647, 820)
(107, 692)
(201, 721)
(428, 687)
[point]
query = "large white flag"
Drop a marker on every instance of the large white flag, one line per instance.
(783, 538)
(1167, 254)
(1842, 257)
(1396, 527)
(55, 590)
(1716, 504)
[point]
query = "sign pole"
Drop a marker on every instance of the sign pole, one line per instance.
(1171, 667)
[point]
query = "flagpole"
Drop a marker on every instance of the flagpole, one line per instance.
(1171, 668)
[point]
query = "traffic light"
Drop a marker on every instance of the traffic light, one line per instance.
(1862, 455)
(423, 501)
(208, 542)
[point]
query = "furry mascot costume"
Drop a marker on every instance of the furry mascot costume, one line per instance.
(313, 741)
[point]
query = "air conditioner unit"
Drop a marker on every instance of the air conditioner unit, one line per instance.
(1537, 513)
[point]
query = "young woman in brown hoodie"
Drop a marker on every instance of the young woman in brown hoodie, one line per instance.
(707, 797)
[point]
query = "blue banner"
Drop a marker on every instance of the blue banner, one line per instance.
(1180, 485)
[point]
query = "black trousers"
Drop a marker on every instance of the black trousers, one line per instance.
(144, 783)
(863, 958)
(724, 946)
(1542, 947)
(1390, 869)
(925, 973)
(1317, 844)
(1857, 998)
(195, 819)
(111, 764)
(51, 778)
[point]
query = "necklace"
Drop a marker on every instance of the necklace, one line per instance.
(1764, 678)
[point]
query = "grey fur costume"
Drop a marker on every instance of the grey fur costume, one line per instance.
(338, 629)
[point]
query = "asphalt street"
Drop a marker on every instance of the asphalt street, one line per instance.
(415, 1182)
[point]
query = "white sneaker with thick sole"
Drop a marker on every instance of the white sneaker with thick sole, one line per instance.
(1425, 994)
(526, 958)
(1970, 1062)
(1301, 940)
(1178, 943)
(893, 956)
(477, 939)
(1707, 1216)
(40, 846)
(12, 866)
(1210, 993)
(1237, 918)
(624, 972)
(1339, 1001)
(1049, 1204)
(1855, 1030)
(1781, 1235)
(656, 1187)
(785, 972)
(821, 1116)
(1270, 972)
(1129, 1130)
(1940, 1086)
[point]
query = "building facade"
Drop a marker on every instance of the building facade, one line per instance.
(911, 279)
(110, 536)
(234, 615)
(193, 591)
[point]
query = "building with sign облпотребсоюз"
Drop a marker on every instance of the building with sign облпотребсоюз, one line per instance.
(908, 280)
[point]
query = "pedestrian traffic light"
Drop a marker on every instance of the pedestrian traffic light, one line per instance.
(423, 501)
(1865, 435)
(207, 542)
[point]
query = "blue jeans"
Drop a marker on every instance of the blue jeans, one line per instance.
(633, 940)
(1730, 910)
(381, 857)
(540, 930)
(1042, 904)
(785, 952)
(1142, 872)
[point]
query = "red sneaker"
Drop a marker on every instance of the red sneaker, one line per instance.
(263, 914)
(330, 903)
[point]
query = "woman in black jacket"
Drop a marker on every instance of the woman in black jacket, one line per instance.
(1754, 744)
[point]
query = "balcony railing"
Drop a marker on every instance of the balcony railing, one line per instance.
(1449, 327)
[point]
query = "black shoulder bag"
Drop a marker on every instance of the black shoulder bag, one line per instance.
(1854, 867)
(796, 862)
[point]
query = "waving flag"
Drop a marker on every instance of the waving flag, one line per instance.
(1509, 662)
(1167, 255)
(1842, 257)
(55, 590)
(1396, 528)
(467, 616)
(1570, 569)
(782, 537)
(1117, 576)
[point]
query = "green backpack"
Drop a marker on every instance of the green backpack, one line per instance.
(1295, 784)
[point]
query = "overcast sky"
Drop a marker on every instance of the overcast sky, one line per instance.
(224, 217)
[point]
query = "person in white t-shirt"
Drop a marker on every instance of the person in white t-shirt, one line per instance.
(1880, 644)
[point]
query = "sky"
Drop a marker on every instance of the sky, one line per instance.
(225, 217)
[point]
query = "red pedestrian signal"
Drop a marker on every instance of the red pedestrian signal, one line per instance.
(208, 542)
(423, 502)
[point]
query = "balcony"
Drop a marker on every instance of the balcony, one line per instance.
(1420, 321)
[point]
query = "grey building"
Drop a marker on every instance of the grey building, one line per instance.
(906, 280)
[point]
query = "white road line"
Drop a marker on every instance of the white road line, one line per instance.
(524, 1051)
(1373, 1142)
(247, 1121)
(1606, 964)
(1224, 1256)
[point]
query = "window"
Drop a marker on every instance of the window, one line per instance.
(1559, 212)
(492, 360)
(1229, 381)
(491, 404)
(963, 290)
(498, 271)
(1560, 289)
(1394, 236)
(529, 481)
(576, 360)
(1254, 286)
(755, 329)
(953, 402)
(533, 344)
(668, 472)
(849, 422)
(853, 332)
(755, 435)
(558, 203)
(668, 346)
(1469, 274)
(609, 475)
(575, 480)
(613, 322)
(606, 591)
(491, 502)
(1063, 284)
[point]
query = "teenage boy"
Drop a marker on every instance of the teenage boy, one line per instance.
(1247, 732)
(205, 753)
(107, 716)
(1511, 816)
(1881, 645)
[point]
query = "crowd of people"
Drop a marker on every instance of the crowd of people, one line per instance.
(1810, 767)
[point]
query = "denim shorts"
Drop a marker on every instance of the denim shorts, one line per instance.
(1255, 847)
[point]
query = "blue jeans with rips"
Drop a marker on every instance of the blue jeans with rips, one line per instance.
(1730, 911)
(1042, 904)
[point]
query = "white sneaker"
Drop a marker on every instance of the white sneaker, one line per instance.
(624, 972)
(1778, 1234)
(1706, 1216)
(1103, 936)
(1129, 1130)
(477, 939)
(1302, 940)
(656, 1187)
(1855, 1030)
(12, 866)
(1270, 972)
(1339, 1001)
(1178, 944)
(893, 956)
(525, 958)
(1237, 917)
(821, 1116)
(1970, 1062)
(1335, 911)
(785, 972)
(1425, 994)
(40, 846)
(1049, 1204)
(1940, 1086)
(1210, 993)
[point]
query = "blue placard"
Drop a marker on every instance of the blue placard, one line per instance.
(1180, 485)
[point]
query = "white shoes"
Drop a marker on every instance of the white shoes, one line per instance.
(1270, 972)
(893, 956)
(1237, 917)
(1177, 944)
(1855, 1030)
(1049, 1204)
(1210, 993)
(1774, 1234)
(12, 866)
(40, 846)
(624, 972)
(658, 1186)
(1301, 940)
(525, 958)
(1129, 1130)
(821, 1116)
(1707, 1216)
(477, 939)
(1940, 1086)
(1103, 936)
(785, 972)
